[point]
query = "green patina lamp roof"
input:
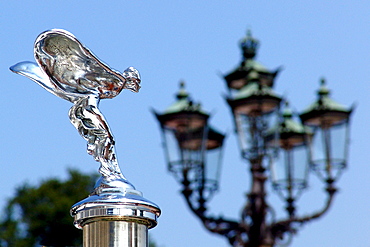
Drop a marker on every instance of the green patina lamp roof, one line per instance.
(290, 132)
(253, 99)
(289, 125)
(183, 111)
(254, 89)
(249, 69)
(325, 106)
(183, 103)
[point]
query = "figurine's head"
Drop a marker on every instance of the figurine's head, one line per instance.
(133, 80)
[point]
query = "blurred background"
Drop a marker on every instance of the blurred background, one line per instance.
(197, 42)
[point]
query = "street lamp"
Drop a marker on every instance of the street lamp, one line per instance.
(272, 142)
(330, 121)
(253, 107)
(193, 149)
(289, 165)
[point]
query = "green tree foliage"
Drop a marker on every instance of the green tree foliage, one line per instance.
(152, 243)
(40, 214)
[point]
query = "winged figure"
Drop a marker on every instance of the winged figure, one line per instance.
(69, 70)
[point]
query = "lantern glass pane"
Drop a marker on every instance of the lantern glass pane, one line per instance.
(329, 151)
(301, 165)
(289, 171)
(277, 169)
(181, 158)
(339, 137)
(252, 131)
(173, 152)
(212, 167)
(191, 158)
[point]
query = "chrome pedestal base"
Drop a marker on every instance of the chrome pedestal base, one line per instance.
(116, 217)
(121, 234)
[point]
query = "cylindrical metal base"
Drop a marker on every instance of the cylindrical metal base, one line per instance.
(118, 217)
(115, 234)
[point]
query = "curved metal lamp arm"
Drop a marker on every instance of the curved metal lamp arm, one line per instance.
(228, 228)
(279, 228)
(331, 191)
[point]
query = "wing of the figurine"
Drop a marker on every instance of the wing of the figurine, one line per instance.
(73, 67)
(32, 71)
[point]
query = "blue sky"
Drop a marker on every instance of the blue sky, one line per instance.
(194, 41)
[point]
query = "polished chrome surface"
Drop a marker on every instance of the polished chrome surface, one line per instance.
(121, 234)
(67, 69)
(127, 206)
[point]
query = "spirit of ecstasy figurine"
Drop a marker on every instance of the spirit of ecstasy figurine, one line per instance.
(67, 69)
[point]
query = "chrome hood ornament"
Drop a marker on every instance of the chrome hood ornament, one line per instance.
(69, 70)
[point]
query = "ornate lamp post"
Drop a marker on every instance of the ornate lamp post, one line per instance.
(270, 140)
